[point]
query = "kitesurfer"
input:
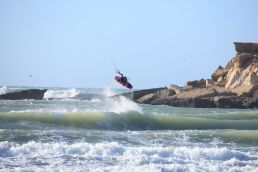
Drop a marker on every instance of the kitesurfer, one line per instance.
(122, 78)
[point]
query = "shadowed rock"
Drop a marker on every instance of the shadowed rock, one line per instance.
(246, 47)
(140, 93)
(35, 94)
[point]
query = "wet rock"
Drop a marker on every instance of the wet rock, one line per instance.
(35, 94)
(140, 93)
(229, 102)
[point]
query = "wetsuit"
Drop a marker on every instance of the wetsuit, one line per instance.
(123, 79)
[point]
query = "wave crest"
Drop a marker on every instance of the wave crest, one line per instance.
(130, 120)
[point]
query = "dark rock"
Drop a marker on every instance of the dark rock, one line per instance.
(196, 83)
(188, 102)
(219, 73)
(251, 102)
(243, 57)
(35, 94)
(137, 94)
(242, 47)
(229, 102)
(255, 92)
(204, 103)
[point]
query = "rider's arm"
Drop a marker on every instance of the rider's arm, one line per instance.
(120, 73)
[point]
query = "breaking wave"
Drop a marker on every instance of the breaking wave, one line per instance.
(60, 94)
(131, 120)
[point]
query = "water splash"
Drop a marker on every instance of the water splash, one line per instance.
(61, 94)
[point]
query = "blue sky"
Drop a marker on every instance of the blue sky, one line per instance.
(156, 43)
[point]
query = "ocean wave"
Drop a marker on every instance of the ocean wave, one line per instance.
(130, 120)
(115, 156)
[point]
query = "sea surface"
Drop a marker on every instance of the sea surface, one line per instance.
(61, 133)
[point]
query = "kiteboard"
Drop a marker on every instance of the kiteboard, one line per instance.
(126, 84)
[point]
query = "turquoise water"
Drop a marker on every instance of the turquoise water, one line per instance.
(104, 134)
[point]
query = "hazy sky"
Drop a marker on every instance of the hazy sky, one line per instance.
(71, 43)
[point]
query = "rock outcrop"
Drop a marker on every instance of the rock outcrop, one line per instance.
(241, 74)
(232, 86)
(35, 94)
(144, 96)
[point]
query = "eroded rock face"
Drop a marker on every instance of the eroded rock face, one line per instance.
(241, 73)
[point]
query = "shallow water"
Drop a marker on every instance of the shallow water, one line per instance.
(120, 135)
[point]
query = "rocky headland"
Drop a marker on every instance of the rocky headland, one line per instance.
(232, 86)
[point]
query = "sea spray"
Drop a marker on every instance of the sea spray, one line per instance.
(121, 105)
(4, 90)
(61, 93)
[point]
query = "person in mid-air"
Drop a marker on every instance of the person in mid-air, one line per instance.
(122, 78)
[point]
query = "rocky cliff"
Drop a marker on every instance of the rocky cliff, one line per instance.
(232, 86)
(241, 73)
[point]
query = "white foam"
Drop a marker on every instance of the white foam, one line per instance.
(108, 92)
(44, 111)
(136, 158)
(122, 104)
(60, 94)
(4, 90)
